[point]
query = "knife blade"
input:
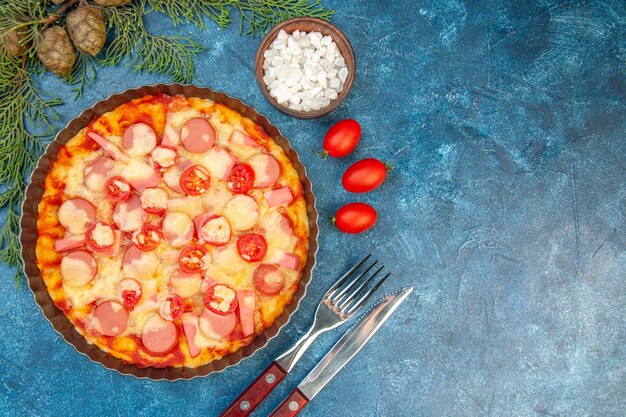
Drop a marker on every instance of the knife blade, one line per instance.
(341, 353)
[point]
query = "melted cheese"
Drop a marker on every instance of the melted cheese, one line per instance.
(155, 198)
(75, 272)
(136, 170)
(103, 235)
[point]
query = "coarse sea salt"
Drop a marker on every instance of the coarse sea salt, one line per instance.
(304, 71)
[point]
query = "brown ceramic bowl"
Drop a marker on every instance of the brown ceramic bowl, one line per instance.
(307, 24)
(28, 236)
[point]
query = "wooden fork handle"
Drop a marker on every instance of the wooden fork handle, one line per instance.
(292, 405)
(256, 392)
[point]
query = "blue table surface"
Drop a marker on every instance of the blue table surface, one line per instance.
(505, 122)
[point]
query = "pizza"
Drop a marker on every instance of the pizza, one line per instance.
(172, 231)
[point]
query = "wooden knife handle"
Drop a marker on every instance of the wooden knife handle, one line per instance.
(256, 392)
(292, 405)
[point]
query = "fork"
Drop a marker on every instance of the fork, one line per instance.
(340, 302)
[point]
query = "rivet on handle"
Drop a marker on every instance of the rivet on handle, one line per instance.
(244, 405)
(270, 378)
(293, 405)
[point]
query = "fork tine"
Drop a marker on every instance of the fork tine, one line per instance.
(344, 278)
(337, 298)
(357, 292)
(361, 301)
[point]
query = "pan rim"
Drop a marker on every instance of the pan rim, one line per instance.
(57, 319)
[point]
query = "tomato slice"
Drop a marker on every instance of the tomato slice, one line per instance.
(100, 237)
(252, 247)
(221, 299)
(172, 308)
(147, 238)
(241, 179)
(117, 188)
(193, 259)
(195, 180)
(130, 291)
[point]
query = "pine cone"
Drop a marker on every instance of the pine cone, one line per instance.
(13, 43)
(87, 29)
(112, 3)
(55, 51)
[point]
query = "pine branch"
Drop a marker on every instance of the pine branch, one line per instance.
(172, 55)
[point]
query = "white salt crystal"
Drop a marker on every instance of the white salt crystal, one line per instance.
(310, 71)
(326, 40)
(315, 41)
(282, 35)
(278, 44)
(330, 94)
(277, 61)
(343, 74)
(294, 76)
(315, 91)
(321, 79)
(334, 82)
(283, 94)
(293, 46)
(295, 99)
(306, 84)
(304, 42)
(340, 62)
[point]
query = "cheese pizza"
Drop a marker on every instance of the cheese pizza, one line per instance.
(172, 231)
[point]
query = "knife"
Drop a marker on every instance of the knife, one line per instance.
(340, 354)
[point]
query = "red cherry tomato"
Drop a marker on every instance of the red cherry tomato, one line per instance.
(241, 178)
(193, 259)
(130, 291)
(268, 279)
(252, 247)
(147, 238)
(342, 138)
(221, 299)
(117, 189)
(96, 236)
(172, 308)
(355, 218)
(195, 180)
(364, 176)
